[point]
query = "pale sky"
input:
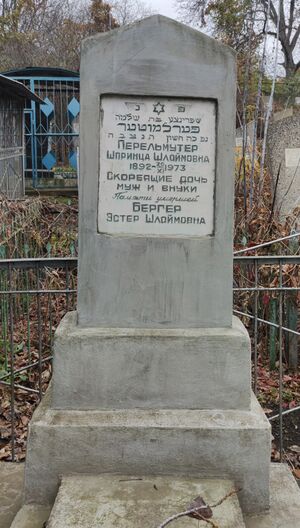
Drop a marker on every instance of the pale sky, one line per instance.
(164, 7)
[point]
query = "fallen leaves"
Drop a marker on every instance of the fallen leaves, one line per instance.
(199, 509)
(296, 473)
(268, 386)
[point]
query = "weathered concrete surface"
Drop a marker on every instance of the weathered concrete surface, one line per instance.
(31, 516)
(285, 134)
(116, 501)
(11, 494)
(155, 282)
(284, 502)
(97, 368)
(223, 444)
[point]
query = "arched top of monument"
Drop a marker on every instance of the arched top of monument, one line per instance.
(160, 33)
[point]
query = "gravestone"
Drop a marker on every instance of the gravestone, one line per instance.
(283, 146)
(152, 374)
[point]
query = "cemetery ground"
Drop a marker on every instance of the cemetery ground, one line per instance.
(47, 227)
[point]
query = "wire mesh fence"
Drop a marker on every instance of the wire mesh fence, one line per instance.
(34, 296)
(36, 293)
(266, 297)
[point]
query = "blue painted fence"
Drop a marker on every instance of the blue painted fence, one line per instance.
(51, 129)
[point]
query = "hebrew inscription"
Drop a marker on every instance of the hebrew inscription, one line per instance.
(157, 166)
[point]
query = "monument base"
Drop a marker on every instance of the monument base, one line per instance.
(221, 444)
(126, 368)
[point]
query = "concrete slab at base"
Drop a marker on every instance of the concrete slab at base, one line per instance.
(125, 368)
(31, 516)
(284, 505)
(219, 444)
(115, 501)
(11, 496)
(284, 502)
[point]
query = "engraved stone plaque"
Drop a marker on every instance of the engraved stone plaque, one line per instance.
(157, 166)
(292, 157)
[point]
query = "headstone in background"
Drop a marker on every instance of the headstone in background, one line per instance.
(250, 129)
(292, 158)
(283, 159)
(283, 114)
(152, 375)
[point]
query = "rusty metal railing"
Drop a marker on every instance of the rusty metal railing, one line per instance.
(36, 293)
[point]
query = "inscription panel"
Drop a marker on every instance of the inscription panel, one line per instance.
(157, 166)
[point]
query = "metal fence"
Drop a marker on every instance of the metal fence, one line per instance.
(36, 293)
(51, 129)
(34, 296)
(266, 297)
(12, 183)
(12, 151)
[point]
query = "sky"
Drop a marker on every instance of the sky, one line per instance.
(164, 7)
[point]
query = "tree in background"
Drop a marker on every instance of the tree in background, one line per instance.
(49, 32)
(249, 26)
(101, 17)
(230, 19)
(19, 21)
(127, 11)
(286, 14)
(39, 33)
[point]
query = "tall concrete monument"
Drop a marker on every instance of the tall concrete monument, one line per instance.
(152, 374)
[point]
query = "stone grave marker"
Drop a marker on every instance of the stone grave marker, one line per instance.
(152, 374)
(156, 181)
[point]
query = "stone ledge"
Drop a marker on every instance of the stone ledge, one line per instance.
(68, 328)
(154, 418)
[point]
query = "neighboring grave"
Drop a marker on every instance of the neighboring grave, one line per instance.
(284, 162)
(250, 132)
(152, 375)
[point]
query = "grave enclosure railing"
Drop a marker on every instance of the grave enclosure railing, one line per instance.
(36, 293)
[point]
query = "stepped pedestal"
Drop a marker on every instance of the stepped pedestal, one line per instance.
(155, 423)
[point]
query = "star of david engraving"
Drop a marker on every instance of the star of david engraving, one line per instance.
(158, 108)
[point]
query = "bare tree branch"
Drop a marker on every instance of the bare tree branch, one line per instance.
(230, 22)
(291, 18)
(186, 513)
(273, 12)
(295, 37)
(195, 512)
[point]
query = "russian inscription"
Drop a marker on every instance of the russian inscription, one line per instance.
(157, 166)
